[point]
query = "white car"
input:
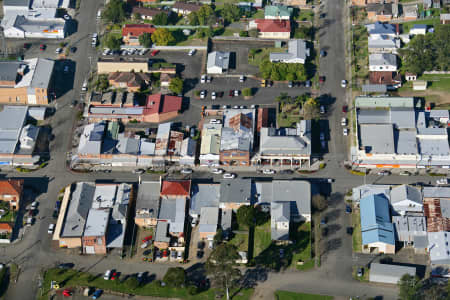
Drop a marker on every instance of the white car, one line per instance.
(236, 93)
(241, 78)
(186, 171)
(235, 107)
(34, 205)
(442, 181)
(94, 35)
(179, 255)
(203, 94)
(345, 131)
(344, 122)
(322, 109)
(107, 275)
(384, 173)
(268, 171)
(203, 79)
(51, 228)
(58, 50)
(85, 86)
(344, 83)
(229, 176)
(192, 52)
(66, 17)
(217, 171)
(144, 245)
(213, 95)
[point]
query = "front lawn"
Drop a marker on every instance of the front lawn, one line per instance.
(263, 238)
(438, 82)
(356, 236)
(305, 15)
(261, 54)
(240, 240)
(285, 295)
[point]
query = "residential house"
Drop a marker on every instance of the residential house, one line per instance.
(218, 62)
(392, 80)
(379, 12)
(132, 32)
(147, 204)
(106, 65)
(277, 12)
(272, 29)
(11, 191)
(162, 237)
(131, 81)
(376, 228)
(391, 274)
(418, 29)
(203, 195)
(94, 237)
(298, 52)
(436, 207)
(235, 193)
(173, 211)
(209, 220)
(406, 199)
(409, 12)
(382, 62)
(408, 227)
(5, 229)
(280, 214)
(374, 88)
(295, 192)
(26, 82)
(410, 76)
(294, 2)
(183, 8)
(440, 115)
(285, 146)
(445, 18)
(379, 29)
(176, 188)
(146, 13)
(439, 247)
(210, 144)
(383, 44)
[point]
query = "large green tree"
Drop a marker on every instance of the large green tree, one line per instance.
(114, 11)
(220, 266)
(246, 215)
(112, 41)
(408, 287)
(176, 85)
(206, 15)
(162, 37)
(160, 19)
(230, 12)
(175, 277)
(145, 40)
(311, 109)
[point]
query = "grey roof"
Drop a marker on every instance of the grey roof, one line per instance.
(281, 142)
(91, 139)
(162, 232)
(147, 203)
(436, 192)
(445, 208)
(116, 111)
(42, 73)
(79, 206)
(419, 26)
(377, 143)
(147, 147)
(439, 247)
(37, 113)
(188, 147)
(370, 189)
(385, 273)
(297, 50)
(173, 210)
(374, 88)
(374, 116)
(226, 216)
(434, 146)
(379, 102)
(97, 222)
(439, 113)
(407, 227)
(236, 191)
(420, 241)
(204, 195)
(403, 117)
(12, 119)
(127, 145)
(209, 219)
(17, 3)
(381, 28)
(405, 192)
(115, 235)
(219, 59)
(279, 212)
(8, 70)
(406, 142)
(421, 120)
(235, 140)
(382, 59)
(385, 42)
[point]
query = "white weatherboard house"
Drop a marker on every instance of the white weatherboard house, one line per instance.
(218, 62)
(297, 52)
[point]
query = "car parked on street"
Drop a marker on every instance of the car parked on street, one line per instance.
(345, 131)
(268, 171)
(229, 176)
(216, 171)
(344, 83)
(241, 78)
(51, 228)
(384, 173)
(203, 94)
(186, 171)
(442, 181)
(107, 275)
(192, 52)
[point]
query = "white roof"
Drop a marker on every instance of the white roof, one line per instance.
(97, 222)
(12, 118)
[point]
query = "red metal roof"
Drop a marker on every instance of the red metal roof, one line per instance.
(11, 187)
(158, 103)
(176, 188)
(137, 29)
(273, 25)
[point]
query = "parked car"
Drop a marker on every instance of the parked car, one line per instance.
(26, 46)
(345, 131)
(231, 93)
(241, 78)
(348, 209)
(203, 94)
(97, 294)
(154, 52)
(344, 122)
(290, 84)
(210, 244)
(350, 230)
(85, 86)
(216, 171)
(58, 50)
(360, 272)
(286, 172)
(51, 228)
(229, 176)
(263, 83)
(268, 171)
(405, 173)
(186, 171)
(114, 276)
(307, 83)
(67, 293)
(192, 52)
(383, 173)
(65, 266)
(179, 255)
(213, 96)
(42, 47)
(147, 238)
(323, 221)
(344, 83)
(140, 277)
(344, 108)
(442, 181)
(322, 136)
(34, 205)
(144, 245)
(321, 79)
(322, 53)
(236, 93)
(322, 109)
(203, 79)
(73, 49)
(173, 255)
(107, 275)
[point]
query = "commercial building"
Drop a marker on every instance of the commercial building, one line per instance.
(298, 52)
(409, 227)
(218, 62)
(406, 199)
(391, 274)
(147, 204)
(235, 193)
(26, 82)
(210, 144)
(436, 207)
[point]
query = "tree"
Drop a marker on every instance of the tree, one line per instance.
(243, 33)
(161, 19)
(136, 16)
(319, 202)
(162, 37)
(206, 15)
(230, 12)
(246, 215)
(253, 33)
(220, 266)
(114, 11)
(408, 286)
(175, 277)
(112, 41)
(176, 85)
(311, 109)
(218, 236)
(193, 19)
(145, 40)
(303, 32)
(102, 83)
(204, 33)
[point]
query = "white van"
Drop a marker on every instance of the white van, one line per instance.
(99, 14)
(85, 86)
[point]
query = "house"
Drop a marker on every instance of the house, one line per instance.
(410, 76)
(418, 29)
(437, 4)
(146, 13)
(280, 214)
(173, 211)
(188, 152)
(131, 81)
(295, 192)
(409, 12)
(277, 12)
(420, 85)
(440, 115)
(176, 188)
(445, 18)
(436, 207)
(183, 8)
(203, 195)
(209, 219)
(406, 199)
(391, 274)
(439, 247)
(94, 237)
(165, 79)
(298, 52)
(132, 32)
(17, 140)
(382, 62)
(408, 227)
(218, 62)
(210, 144)
(285, 146)
(379, 12)
(271, 29)
(106, 65)
(26, 82)
(379, 29)
(376, 228)
(392, 80)
(383, 44)
(235, 193)
(147, 204)
(162, 237)
(11, 191)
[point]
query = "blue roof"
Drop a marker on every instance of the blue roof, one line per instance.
(376, 223)
(420, 26)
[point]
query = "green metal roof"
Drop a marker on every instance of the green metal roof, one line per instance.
(277, 11)
(374, 102)
(113, 129)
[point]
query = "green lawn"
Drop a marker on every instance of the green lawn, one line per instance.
(303, 237)
(263, 238)
(72, 278)
(230, 31)
(263, 54)
(356, 237)
(240, 240)
(285, 295)
(408, 25)
(259, 14)
(305, 15)
(439, 82)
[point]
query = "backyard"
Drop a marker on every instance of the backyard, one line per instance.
(285, 295)
(360, 53)
(263, 238)
(256, 56)
(6, 214)
(289, 114)
(438, 90)
(408, 25)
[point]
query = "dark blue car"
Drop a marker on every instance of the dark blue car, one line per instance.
(97, 294)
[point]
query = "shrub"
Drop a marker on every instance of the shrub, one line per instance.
(247, 92)
(243, 33)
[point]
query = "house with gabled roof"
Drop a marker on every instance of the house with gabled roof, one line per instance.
(280, 217)
(271, 29)
(11, 191)
(277, 12)
(405, 198)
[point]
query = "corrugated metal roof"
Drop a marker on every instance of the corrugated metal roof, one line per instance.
(376, 223)
(377, 143)
(374, 102)
(385, 273)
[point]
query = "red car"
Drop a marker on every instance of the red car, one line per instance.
(154, 52)
(165, 253)
(114, 276)
(147, 238)
(231, 93)
(344, 108)
(67, 293)
(321, 79)
(42, 47)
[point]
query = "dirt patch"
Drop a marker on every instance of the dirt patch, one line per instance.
(440, 98)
